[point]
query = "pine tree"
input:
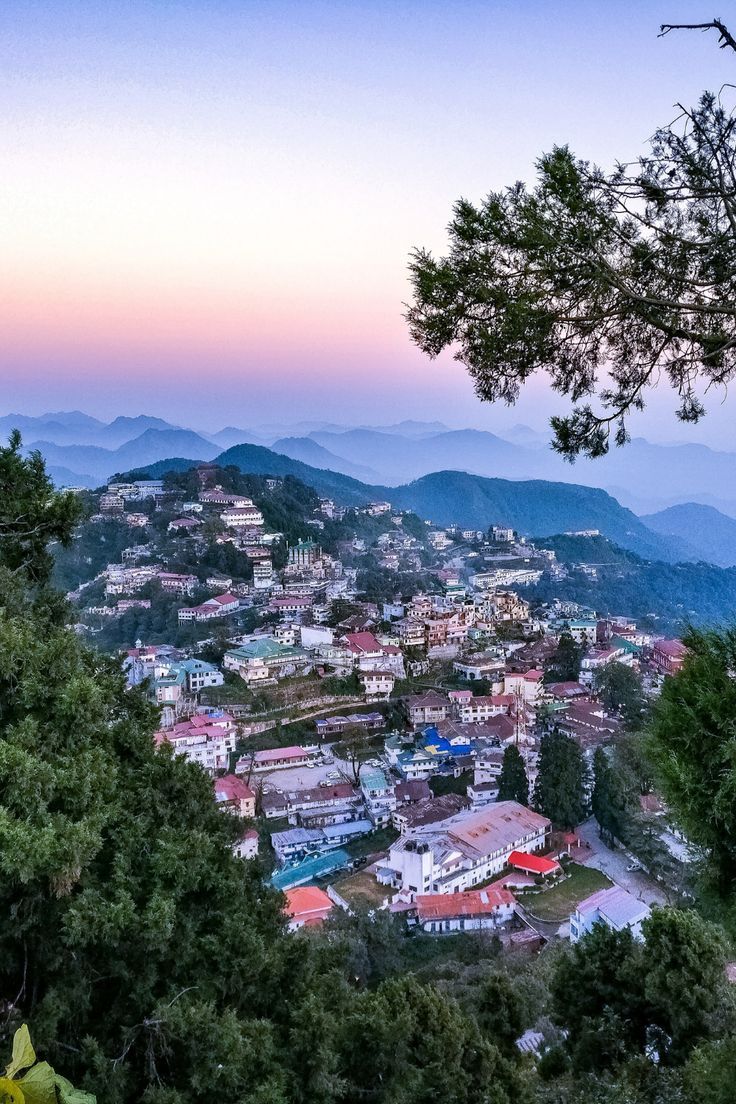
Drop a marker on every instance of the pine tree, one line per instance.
(513, 784)
(561, 790)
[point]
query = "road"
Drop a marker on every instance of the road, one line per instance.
(614, 864)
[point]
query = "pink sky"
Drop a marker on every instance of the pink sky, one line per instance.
(213, 202)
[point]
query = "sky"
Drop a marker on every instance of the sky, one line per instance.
(206, 207)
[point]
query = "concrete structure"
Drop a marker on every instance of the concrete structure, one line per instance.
(464, 850)
(614, 907)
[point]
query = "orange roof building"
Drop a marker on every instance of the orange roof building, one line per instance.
(306, 906)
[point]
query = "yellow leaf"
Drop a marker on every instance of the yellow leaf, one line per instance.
(39, 1085)
(23, 1053)
(11, 1092)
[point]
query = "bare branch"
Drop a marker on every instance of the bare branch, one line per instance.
(725, 38)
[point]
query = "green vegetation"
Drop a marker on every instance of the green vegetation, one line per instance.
(633, 268)
(665, 596)
(513, 784)
(691, 745)
(556, 903)
(561, 788)
(447, 783)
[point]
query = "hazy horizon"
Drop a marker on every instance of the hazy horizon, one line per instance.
(208, 208)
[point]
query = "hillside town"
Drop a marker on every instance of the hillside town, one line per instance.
(376, 700)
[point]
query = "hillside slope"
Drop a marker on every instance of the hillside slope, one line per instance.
(532, 507)
(710, 533)
(446, 498)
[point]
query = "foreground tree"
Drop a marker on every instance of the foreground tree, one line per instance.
(513, 784)
(691, 746)
(631, 271)
(618, 998)
(562, 782)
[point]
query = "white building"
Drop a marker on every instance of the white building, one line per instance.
(464, 850)
(614, 907)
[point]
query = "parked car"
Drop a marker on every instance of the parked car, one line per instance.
(633, 867)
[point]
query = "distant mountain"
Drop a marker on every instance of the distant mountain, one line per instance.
(410, 428)
(124, 429)
(533, 508)
(397, 458)
(262, 461)
(309, 452)
(711, 534)
(450, 497)
(231, 435)
(63, 477)
(96, 463)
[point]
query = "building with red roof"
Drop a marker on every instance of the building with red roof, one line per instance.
(472, 910)
(533, 864)
(233, 794)
(307, 906)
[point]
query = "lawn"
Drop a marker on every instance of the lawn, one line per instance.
(380, 840)
(556, 903)
(362, 890)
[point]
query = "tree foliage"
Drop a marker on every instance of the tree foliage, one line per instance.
(513, 784)
(632, 271)
(562, 782)
(691, 743)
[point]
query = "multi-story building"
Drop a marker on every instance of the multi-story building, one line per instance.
(459, 853)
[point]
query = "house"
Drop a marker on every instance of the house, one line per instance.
(527, 684)
(614, 907)
(379, 795)
(484, 666)
(184, 525)
(307, 906)
(668, 656)
(537, 865)
(488, 767)
(247, 846)
(464, 850)
(263, 659)
(334, 726)
(242, 516)
(473, 910)
(483, 707)
(416, 765)
(233, 794)
(200, 674)
(427, 708)
(206, 738)
(597, 658)
(408, 793)
(222, 605)
(176, 583)
(296, 843)
(430, 811)
(482, 793)
(377, 684)
(275, 759)
(341, 799)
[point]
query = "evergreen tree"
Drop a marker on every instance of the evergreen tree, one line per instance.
(513, 784)
(691, 743)
(564, 664)
(619, 689)
(561, 790)
(609, 801)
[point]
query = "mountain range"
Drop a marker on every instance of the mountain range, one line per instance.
(473, 477)
(533, 508)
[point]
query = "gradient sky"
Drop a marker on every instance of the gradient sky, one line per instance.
(207, 206)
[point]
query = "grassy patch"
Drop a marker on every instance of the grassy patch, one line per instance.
(556, 903)
(444, 784)
(380, 840)
(362, 890)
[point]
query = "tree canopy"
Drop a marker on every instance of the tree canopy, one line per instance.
(629, 272)
(691, 743)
